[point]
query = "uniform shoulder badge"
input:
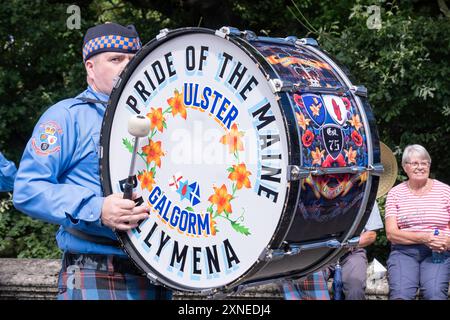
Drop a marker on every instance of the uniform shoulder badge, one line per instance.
(47, 139)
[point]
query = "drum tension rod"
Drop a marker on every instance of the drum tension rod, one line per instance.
(292, 249)
(297, 173)
(278, 85)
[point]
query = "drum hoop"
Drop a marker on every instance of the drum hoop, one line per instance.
(294, 154)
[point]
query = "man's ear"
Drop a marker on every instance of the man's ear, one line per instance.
(89, 66)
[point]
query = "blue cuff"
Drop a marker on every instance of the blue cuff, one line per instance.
(92, 210)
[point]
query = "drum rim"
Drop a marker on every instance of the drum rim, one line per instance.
(292, 187)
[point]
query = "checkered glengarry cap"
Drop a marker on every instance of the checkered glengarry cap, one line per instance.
(110, 37)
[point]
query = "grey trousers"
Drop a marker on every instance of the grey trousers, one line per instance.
(354, 274)
(410, 267)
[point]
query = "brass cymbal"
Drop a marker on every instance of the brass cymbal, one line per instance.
(389, 176)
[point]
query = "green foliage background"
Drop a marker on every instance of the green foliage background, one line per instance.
(404, 65)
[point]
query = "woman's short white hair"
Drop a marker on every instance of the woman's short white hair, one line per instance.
(415, 149)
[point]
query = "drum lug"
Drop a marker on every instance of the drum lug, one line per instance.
(277, 85)
(359, 90)
(162, 33)
(351, 243)
(376, 169)
(271, 254)
(293, 249)
(307, 41)
(296, 173)
(291, 39)
(117, 83)
(249, 35)
(228, 31)
(152, 278)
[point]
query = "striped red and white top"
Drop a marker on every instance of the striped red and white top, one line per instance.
(420, 213)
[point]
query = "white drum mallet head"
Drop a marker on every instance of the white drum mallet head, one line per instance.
(139, 127)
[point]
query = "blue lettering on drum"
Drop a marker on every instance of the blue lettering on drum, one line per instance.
(208, 99)
(187, 222)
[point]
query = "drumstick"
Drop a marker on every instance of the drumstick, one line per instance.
(138, 127)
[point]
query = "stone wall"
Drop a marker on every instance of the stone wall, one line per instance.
(37, 279)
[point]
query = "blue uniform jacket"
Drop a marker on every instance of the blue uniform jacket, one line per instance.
(7, 173)
(58, 180)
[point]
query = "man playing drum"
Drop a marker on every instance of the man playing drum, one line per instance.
(58, 180)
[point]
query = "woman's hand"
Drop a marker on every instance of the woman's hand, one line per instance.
(437, 243)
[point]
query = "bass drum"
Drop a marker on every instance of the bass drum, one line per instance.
(261, 163)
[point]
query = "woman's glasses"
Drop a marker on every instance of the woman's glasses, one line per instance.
(416, 164)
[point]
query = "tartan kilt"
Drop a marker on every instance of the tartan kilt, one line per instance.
(102, 277)
(312, 287)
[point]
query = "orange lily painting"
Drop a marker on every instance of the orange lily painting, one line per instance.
(221, 198)
(153, 152)
(240, 174)
(146, 179)
(156, 119)
(177, 104)
(233, 139)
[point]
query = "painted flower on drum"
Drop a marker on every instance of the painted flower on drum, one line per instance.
(315, 108)
(153, 152)
(240, 175)
(317, 156)
(363, 178)
(156, 119)
(307, 138)
(212, 225)
(233, 139)
(298, 100)
(329, 161)
(146, 179)
(302, 121)
(356, 122)
(357, 139)
(176, 102)
(351, 155)
(221, 198)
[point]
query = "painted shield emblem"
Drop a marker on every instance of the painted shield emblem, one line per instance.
(336, 107)
(333, 138)
(315, 108)
(52, 140)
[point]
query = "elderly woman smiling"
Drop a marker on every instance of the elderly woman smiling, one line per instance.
(414, 210)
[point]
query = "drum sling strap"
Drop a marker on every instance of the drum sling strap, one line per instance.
(80, 234)
(91, 238)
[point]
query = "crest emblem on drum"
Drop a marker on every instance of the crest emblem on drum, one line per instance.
(174, 182)
(314, 106)
(333, 138)
(337, 108)
(189, 191)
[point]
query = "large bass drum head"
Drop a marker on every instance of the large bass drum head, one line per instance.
(213, 168)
